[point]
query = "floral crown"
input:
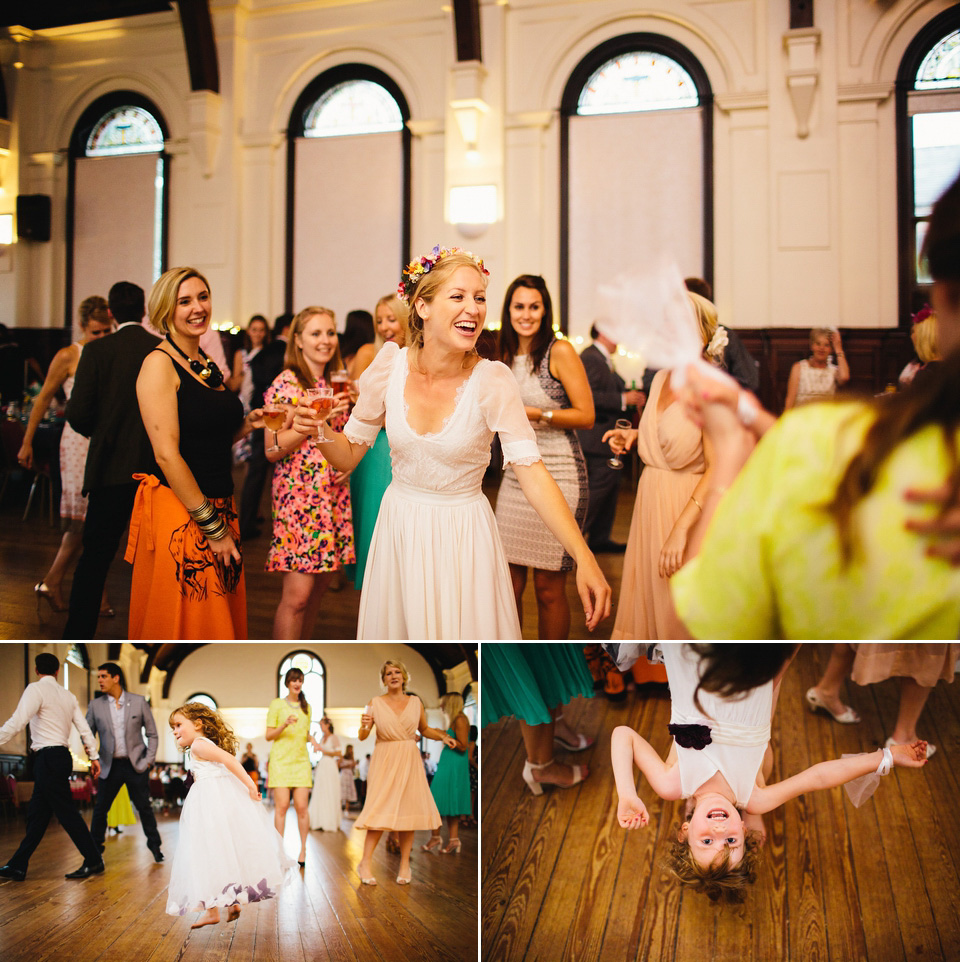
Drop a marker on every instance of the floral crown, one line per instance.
(922, 314)
(416, 269)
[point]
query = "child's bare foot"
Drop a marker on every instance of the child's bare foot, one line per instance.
(556, 773)
(210, 917)
(233, 913)
(755, 823)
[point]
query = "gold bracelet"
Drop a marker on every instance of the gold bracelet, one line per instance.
(696, 502)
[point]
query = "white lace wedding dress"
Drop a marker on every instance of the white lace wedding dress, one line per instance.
(437, 569)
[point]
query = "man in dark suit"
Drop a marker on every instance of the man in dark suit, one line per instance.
(610, 400)
(121, 719)
(267, 364)
(104, 408)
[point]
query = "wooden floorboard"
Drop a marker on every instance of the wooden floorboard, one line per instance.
(324, 914)
(27, 548)
(879, 883)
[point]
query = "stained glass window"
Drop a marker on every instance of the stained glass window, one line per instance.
(125, 130)
(941, 66)
(353, 107)
(204, 699)
(637, 81)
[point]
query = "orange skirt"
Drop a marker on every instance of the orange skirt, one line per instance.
(179, 590)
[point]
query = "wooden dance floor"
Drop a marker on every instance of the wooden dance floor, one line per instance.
(324, 914)
(560, 880)
(27, 548)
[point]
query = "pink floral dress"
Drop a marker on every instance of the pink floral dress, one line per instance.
(312, 520)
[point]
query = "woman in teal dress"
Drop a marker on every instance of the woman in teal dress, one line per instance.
(451, 783)
(373, 474)
(533, 682)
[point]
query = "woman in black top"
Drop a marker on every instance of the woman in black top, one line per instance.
(184, 543)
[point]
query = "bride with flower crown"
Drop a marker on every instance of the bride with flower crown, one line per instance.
(436, 568)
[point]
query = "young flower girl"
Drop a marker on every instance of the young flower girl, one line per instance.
(718, 762)
(229, 852)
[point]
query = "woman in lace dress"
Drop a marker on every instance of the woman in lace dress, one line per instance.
(436, 563)
(817, 377)
(558, 401)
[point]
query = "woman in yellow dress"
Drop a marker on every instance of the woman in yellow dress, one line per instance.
(289, 770)
(121, 811)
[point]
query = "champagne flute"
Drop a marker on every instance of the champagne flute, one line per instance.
(621, 425)
(273, 417)
(321, 400)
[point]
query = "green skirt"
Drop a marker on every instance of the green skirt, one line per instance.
(451, 783)
(369, 480)
(527, 680)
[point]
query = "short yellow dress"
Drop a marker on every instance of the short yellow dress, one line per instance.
(289, 764)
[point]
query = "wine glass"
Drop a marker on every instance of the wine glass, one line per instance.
(321, 400)
(621, 425)
(273, 418)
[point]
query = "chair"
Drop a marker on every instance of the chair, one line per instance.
(11, 433)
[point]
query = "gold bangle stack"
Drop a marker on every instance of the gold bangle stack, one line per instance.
(209, 521)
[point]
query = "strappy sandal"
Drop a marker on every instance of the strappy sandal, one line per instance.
(580, 772)
(581, 743)
(847, 717)
(434, 843)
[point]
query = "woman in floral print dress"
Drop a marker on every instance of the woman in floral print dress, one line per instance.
(312, 523)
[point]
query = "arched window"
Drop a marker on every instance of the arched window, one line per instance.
(636, 168)
(204, 699)
(928, 118)
(125, 130)
(348, 168)
(118, 197)
(641, 80)
(314, 680)
(353, 107)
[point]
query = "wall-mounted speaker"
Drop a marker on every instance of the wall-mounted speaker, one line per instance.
(33, 217)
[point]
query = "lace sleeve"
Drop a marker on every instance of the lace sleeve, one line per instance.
(503, 409)
(368, 414)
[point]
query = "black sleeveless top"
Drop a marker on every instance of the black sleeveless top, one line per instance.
(209, 420)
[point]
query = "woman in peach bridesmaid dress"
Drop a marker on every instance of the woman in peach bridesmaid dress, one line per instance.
(673, 485)
(398, 796)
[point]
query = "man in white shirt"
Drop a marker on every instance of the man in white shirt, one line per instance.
(51, 710)
(121, 719)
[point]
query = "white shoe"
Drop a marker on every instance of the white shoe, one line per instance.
(931, 749)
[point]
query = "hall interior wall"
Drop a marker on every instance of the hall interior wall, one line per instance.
(805, 227)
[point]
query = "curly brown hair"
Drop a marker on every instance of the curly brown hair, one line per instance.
(210, 723)
(720, 881)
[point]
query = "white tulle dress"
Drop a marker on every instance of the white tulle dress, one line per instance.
(436, 568)
(324, 807)
(229, 852)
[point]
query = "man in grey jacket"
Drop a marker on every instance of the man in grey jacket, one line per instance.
(121, 718)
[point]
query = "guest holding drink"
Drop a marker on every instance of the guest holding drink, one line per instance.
(184, 542)
(372, 476)
(437, 567)
(398, 797)
(558, 402)
(312, 523)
